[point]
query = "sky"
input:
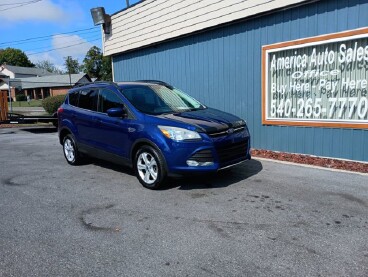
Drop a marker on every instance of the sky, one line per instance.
(53, 29)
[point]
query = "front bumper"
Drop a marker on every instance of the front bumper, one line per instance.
(211, 154)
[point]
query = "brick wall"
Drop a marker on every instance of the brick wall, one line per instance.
(58, 91)
(31, 92)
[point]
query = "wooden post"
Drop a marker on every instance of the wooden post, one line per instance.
(3, 105)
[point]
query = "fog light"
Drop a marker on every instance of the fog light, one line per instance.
(195, 163)
(206, 164)
(192, 163)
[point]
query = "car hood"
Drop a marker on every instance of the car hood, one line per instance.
(208, 120)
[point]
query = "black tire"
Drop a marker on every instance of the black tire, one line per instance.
(149, 166)
(70, 150)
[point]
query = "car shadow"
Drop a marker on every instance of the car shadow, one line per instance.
(223, 178)
(109, 165)
(40, 130)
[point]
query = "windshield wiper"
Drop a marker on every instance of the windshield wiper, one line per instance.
(197, 109)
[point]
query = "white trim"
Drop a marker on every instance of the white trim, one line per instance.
(318, 42)
(153, 21)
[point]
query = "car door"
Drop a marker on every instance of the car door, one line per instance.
(113, 133)
(85, 117)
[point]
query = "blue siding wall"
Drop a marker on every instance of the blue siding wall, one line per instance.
(222, 69)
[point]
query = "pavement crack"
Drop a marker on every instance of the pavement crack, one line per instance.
(90, 225)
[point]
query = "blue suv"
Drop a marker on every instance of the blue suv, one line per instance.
(151, 126)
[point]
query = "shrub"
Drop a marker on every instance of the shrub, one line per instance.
(52, 103)
(21, 97)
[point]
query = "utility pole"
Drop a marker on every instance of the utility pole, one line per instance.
(68, 63)
(127, 3)
(10, 99)
(70, 78)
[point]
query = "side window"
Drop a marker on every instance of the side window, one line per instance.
(88, 99)
(108, 99)
(73, 98)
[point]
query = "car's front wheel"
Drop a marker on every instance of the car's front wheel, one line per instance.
(70, 150)
(150, 167)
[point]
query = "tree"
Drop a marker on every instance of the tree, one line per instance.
(92, 63)
(12, 56)
(106, 70)
(49, 66)
(96, 65)
(72, 65)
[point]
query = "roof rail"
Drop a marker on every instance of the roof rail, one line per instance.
(95, 82)
(157, 82)
(105, 82)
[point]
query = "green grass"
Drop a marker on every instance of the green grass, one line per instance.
(32, 103)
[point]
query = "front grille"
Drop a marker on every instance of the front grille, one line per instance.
(232, 152)
(202, 156)
(226, 132)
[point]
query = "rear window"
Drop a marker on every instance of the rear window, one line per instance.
(73, 98)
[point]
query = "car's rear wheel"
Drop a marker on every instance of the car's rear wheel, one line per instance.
(150, 167)
(71, 153)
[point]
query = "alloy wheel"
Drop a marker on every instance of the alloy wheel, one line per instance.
(147, 167)
(69, 150)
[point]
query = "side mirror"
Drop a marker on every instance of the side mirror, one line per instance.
(117, 112)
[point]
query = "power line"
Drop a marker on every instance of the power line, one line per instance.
(85, 33)
(91, 36)
(12, 4)
(34, 38)
(70, 40)
(62, 47)
(21, 5)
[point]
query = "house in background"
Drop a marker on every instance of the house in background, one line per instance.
(38, 83)
(23, 72)
(52, 85)
(14, 72)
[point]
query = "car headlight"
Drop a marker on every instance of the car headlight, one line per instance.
(239, 123)
(178, 134)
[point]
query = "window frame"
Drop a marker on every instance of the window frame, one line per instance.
(128, 111)
(83, 89)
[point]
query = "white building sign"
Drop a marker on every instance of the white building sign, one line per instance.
(321, 81)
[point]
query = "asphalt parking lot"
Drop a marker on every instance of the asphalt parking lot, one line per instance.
(262, 218)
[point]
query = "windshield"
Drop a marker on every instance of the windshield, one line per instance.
(158, 99)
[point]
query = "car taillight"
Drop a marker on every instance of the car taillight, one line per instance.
(60, 110)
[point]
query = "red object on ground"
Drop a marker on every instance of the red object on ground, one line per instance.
(312, 160)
